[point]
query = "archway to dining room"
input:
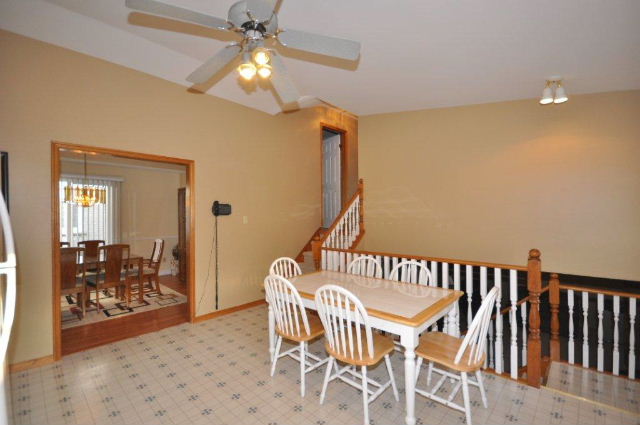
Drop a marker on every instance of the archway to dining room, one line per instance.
(121, 243)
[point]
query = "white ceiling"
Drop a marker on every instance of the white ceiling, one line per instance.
(416, 54)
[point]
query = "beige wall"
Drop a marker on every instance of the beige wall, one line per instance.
(50, 93)
(489, 182)
(148, 205)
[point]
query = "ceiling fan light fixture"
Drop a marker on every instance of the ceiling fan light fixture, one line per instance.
(264, 71)
(261, 57)
(247, 70)
(561, 94)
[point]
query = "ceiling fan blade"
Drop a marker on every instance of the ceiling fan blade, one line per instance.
(215, 64)
(282, 84)
(262, 10)
(320, 44)
(156, 7)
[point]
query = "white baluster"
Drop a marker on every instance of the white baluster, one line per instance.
(350, 258)
(616, 335)
(394, 263)
(498, 340)
(434, 272)
(387, 268)
(572, 343)
(523, 317)
(445, 284)
(323, 259)
(585, 329)
(513, 322)
(422, 273)
(343, 264)
(600, 333)
(632, 338)
(456, 309)
(483, 293)
(469, 283)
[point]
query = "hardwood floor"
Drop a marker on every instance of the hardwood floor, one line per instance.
(174, 283)
(80, 338)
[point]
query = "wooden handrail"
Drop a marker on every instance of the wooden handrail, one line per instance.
(576, 288)
(518, 303)
(440, 260)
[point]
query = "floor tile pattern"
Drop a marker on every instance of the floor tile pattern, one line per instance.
(218, 372)
(617, 391)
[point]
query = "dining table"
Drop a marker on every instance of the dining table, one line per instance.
(91, 262)
(403, 309)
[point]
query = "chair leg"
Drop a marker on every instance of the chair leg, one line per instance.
(327, 374)
(303, 367)
(429, 373)
(97, 299)
(387, 361)
(157, 279)
(365, 395)
(465, 396)
(418, 368)
(276, 354)
(481, 385)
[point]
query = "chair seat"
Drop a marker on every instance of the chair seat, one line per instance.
(91, 280)
(382, 345)
(145, 271)
(441, 348)
(315, 330)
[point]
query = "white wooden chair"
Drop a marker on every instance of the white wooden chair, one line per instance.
(349, 339)
(365, 265)
(412, 271)
(293, 324)
(459, 356)
(285, 267)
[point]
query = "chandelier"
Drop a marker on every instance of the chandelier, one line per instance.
(85, 195)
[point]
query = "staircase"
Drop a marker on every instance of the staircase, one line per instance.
(345, 232)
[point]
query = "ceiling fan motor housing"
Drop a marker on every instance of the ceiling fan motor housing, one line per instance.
(239, 17)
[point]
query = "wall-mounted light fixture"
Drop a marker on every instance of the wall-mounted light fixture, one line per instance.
(553, 92)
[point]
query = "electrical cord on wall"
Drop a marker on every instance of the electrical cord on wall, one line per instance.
(214, 243)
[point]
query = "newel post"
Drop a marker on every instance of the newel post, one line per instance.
(316, 249)
(554, 302)
(361, 211)
(534, 349)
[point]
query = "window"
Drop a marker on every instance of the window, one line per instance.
(100, 221)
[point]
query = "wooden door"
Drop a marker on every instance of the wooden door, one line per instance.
(182, 235)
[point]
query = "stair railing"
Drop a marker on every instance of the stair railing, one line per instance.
(347, 229)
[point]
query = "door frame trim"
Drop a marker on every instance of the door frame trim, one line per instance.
(56, 147)
(344, 146)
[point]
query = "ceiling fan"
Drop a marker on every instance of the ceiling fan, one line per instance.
(255, 21)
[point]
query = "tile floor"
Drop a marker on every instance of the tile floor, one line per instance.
(611, 390)
(218, 372)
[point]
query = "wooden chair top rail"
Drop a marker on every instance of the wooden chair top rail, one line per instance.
(564, 287)
(437, 259)
(343, 212)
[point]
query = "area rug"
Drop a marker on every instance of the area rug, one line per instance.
(112, 307)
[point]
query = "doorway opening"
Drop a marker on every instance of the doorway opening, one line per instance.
(122, 245)
(333, 163)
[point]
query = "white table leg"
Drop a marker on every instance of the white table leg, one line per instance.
(409, 342)
(272, 331)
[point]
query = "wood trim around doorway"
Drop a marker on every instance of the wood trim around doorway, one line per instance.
(56, 147)
(344, 167)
